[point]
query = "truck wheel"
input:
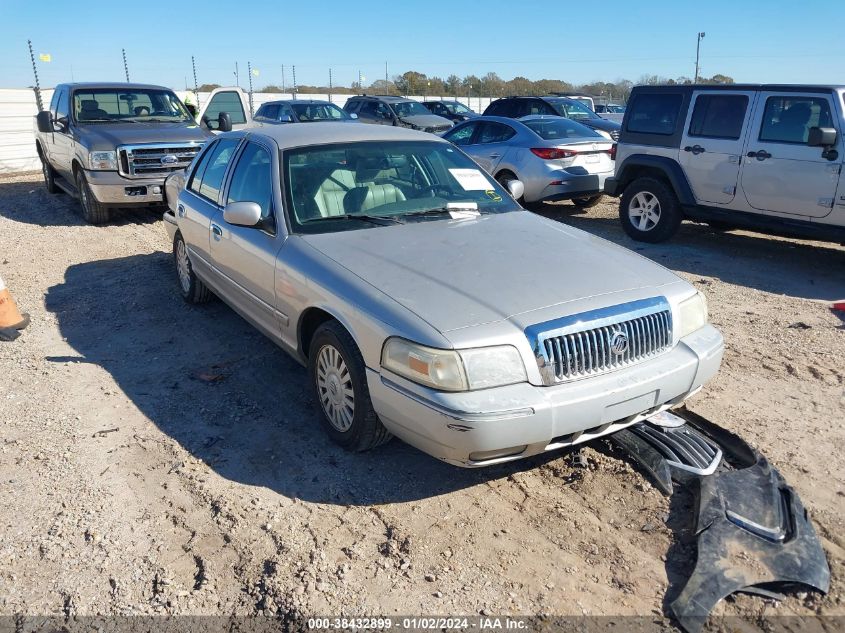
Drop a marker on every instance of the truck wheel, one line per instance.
(92, 211)
(338, 380)
(587, 202)
(191, 287)
(649, 210)
(49, 177)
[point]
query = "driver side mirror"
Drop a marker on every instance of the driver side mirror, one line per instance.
(44, 122)
(516, 188)
(224, 122)
(242, 213)
(824, 137)
(353, 116)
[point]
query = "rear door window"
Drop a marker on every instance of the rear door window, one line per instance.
(718, 116)
(654, 113)
(788, 118)
(492, 132)
(208, 177)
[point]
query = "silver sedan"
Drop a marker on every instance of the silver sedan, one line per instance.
(555, 157)
(424, 301)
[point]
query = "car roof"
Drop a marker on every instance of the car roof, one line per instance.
(288, 136)
(112, 85)
(743, 87)
(390, 98)
(290, 101)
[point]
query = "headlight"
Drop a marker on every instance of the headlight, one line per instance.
(693, 313)
(454, 370)
(102, 160)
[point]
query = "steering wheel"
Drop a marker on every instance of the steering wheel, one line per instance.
(434, 188)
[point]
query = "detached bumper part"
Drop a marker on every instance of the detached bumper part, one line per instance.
(751, 527)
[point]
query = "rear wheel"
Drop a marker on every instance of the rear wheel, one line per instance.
(92, 211)
(587, 202)
(649, 210)
(191, 287)
(339, 381)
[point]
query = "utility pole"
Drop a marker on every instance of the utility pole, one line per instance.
(237, 77)
(249, 72)
(359, 82)
(196, 87)
(35, 72)
(295, 89)
(330, 85)
(697, 51)
(125, 65)
(386, 80)
(283, 78)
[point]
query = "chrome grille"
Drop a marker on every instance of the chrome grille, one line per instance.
(600, 341)
(149, 161)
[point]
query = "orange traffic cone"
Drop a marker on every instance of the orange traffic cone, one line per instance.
(11, 320)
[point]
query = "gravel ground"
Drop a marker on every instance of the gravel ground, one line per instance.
(157, 458)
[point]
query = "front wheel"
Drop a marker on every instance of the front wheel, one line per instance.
(649, 210)
(92, 211)
(587, 202)
(339, 381)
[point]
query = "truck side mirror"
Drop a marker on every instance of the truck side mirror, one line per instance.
(44, 122)
(821, 137)
(224, 122)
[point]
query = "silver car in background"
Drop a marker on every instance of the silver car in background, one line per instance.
(424, 301)
(555, 158)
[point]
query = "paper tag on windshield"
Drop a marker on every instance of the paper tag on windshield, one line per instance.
(471, 179)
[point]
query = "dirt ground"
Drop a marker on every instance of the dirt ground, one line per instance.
(158, 458)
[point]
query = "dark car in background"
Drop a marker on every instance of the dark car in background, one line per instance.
(398, 111)
(450, 109)
(300, 111)
(518, 107)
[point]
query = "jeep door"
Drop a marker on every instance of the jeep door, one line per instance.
(781, 174)
(244, 257)
(712, 143)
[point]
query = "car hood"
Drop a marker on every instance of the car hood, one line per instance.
(600, 124)
(107, 136)
(425, 120)
(460, 273)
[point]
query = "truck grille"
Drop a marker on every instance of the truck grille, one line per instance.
(149, 161)
(601, 341)
(438, 129)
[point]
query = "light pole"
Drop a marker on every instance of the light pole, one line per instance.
(697, 51)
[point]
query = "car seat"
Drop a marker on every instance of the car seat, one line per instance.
(91, 110)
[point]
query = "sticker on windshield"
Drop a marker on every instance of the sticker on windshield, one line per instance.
(495, 197)
(471, 179)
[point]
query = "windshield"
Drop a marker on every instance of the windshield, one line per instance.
(573, 109)
(457, 108)
(113, 105)
(398, 181)
(408, 108)
(553, 129)
(308, 112)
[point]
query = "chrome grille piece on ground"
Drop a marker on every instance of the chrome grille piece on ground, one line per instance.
(600, 341)
(145, 161)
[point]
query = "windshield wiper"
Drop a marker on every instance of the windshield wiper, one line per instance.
(378, 220)
(467, 209)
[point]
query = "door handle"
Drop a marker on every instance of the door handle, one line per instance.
(695, 149)
(217, 232)
(760, 155)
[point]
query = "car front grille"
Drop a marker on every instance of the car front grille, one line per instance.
(438, 129)
(597, 342)
(149, 161)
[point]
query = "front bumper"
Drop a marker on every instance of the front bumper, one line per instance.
(468, 429)
(110, 188)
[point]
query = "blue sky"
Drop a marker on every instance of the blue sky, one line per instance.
(751, 40)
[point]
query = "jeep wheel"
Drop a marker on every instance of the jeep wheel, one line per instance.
(649, 210)
(587, 202)
(339, 381)
(92, 211)
(49, 177)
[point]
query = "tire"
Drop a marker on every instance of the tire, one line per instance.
(503, 177)
(191, 287)
(49, 177)
(587, 202)
(649, 210)
(339, 383)
(92, 211)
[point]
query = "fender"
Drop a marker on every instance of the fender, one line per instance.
(667, 167)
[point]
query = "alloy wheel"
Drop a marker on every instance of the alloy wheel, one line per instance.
(644, 211)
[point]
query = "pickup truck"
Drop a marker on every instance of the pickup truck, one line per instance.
(112, 144)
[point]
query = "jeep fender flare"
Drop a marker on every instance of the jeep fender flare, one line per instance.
(637, 165)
